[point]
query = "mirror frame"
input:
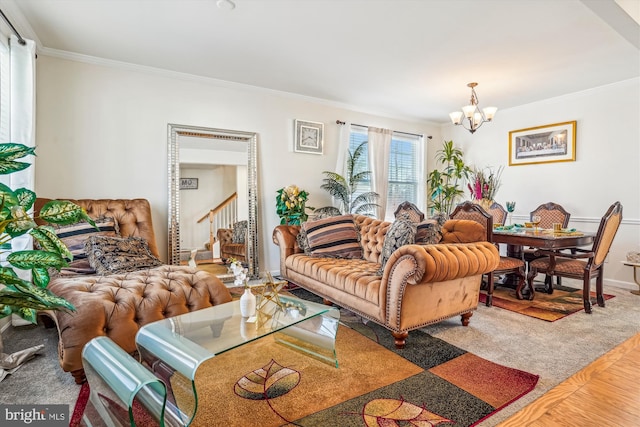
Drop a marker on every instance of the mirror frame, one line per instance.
(174, 131)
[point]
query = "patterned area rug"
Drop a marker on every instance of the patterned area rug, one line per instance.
(430, 382)
(550, 307)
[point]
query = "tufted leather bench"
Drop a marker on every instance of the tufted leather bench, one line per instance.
(117, 305)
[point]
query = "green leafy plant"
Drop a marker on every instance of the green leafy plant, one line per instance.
(19, 296)
(344, 189)
(445, 185)
(291, 205)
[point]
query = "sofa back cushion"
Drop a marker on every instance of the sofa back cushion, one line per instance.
(463, 231)
(333, 237)
(372, 233)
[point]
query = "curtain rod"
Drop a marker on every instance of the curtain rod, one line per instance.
(339, 122)
(20, 39)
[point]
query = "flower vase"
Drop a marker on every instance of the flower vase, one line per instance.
(247, 303)
(484, 203)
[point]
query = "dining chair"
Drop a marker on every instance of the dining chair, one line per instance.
(550, 213)
(498, 212)
(583, 264)
(415, 214)
(507, 265)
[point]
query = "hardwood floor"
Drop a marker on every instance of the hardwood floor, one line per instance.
(605, 393)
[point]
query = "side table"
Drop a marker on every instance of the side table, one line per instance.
(636, 266)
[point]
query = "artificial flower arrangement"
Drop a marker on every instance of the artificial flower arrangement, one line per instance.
(239, 273)
(484, 183)
(291, 205)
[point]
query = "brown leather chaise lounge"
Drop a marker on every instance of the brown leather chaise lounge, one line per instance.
(117, 305)
(419, 285)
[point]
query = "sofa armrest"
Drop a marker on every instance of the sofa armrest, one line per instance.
(441, 262)
(224, 236)
(285, 237)
(444, 277)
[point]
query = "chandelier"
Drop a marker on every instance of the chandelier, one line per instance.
(473, 116)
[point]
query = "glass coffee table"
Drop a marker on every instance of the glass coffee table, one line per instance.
(171, 351)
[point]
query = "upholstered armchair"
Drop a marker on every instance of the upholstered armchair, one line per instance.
(233, 241)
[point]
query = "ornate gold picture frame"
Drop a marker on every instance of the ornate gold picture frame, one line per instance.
(543, 144)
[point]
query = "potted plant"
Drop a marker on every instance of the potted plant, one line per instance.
(19, 296)
(291, 205)
(445, 186)
(344, 189)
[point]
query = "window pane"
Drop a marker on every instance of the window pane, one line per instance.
(405, 169)
(404, 172)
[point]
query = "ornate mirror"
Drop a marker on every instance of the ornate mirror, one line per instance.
(212, 185)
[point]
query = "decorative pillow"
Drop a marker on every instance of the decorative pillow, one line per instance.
(112, 255)
(239, 232)
(401, 232)
(428, 232)
(463, 231)
(303, 242)
(333, 237)
(74, 236)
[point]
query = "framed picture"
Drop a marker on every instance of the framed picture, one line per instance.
(543, 144)
(308, 137)
(188, 183)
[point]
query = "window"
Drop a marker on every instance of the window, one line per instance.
(406, 166)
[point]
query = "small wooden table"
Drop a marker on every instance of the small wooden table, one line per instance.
(516, 238)
(636, 266)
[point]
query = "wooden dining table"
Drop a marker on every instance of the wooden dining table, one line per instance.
(517, 237)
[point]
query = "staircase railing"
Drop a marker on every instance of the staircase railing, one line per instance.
(222, 216)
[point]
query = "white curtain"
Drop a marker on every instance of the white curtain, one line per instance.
(22, 126)
(379, 148)
(343, 148)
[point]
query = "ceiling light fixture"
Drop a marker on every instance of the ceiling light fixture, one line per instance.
(225, 4)
(473, 117)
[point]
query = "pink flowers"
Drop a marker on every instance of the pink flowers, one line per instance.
(484, 183)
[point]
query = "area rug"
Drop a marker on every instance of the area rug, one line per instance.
(550, 307)
(430, 382)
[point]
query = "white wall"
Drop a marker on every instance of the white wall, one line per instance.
(607, 166)
(102, 133)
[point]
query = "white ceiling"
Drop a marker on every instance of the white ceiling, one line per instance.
(402, 58)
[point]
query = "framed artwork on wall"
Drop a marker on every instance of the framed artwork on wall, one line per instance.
(543, 144)
(188, 183)
(308, 137)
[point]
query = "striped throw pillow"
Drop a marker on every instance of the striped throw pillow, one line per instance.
(333, 237)
(74, 236)
(428, 232)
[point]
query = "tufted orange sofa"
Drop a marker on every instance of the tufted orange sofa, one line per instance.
(118, 305)
(420, 284)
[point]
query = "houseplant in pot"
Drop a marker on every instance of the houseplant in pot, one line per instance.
(17, 295)
(291, 205)
(445, 184)
(345, 188)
